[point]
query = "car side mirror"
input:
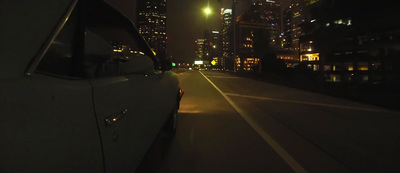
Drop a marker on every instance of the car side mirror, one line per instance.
(165, 65)
(140, 64)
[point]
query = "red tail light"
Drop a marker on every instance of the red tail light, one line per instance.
(180, 93)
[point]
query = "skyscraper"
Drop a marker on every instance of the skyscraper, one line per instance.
(212, 47)
(199, 49)
(258, 31)
(287, 29)
(226, 38)
(300, 13)
(353, 46)
(152, 24)
(269, 11)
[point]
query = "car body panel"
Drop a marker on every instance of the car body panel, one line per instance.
(126, 141)
(48, 125)
(54, 122)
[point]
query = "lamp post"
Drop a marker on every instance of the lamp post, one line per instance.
(207, 11)
(233, 22)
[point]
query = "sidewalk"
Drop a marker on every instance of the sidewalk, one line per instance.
(378, 95)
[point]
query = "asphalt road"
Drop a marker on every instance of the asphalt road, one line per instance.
(233, 124)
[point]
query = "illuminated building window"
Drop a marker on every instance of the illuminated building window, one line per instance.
(350, 68)
(334, 78)
(363, 68)
(296, 14)
(315, 67)
(310, 57)
(349, 22)
(346, 22)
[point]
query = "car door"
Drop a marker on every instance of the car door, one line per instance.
(127, 93)
(48, 122)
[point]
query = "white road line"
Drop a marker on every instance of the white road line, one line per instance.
(224, 77)
(274, 145)
(305, 102)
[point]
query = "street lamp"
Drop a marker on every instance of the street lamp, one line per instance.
(233, 23)
(207, 11)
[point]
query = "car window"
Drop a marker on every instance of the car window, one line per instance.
(61, 55)
(125, 46)
(66, 54)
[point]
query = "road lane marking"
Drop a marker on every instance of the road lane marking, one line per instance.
(223, 77)
(305, 102)
(274, 145)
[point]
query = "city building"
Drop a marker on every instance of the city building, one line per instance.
(212, 48)
(290, 59)
(287, 29)
(270, 12)
(152, 24)
(300, 13)
(257, 33)
(199, 49)
(226, 39)
(295, 18)
(353, 47)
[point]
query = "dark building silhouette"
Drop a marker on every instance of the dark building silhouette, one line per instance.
(287, 29)
(269, 11)
(257, 34)
(295, 18)
(299, 14)
(152, 24)
(355, 44)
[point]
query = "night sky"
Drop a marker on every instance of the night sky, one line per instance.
(186, 21)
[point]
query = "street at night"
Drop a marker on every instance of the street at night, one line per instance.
(233, 124)
(200, 86)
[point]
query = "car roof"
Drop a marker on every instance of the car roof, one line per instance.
(25, 27)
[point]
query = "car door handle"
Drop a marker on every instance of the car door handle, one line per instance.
(113, 119)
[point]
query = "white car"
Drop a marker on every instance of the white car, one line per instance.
(80, 89)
